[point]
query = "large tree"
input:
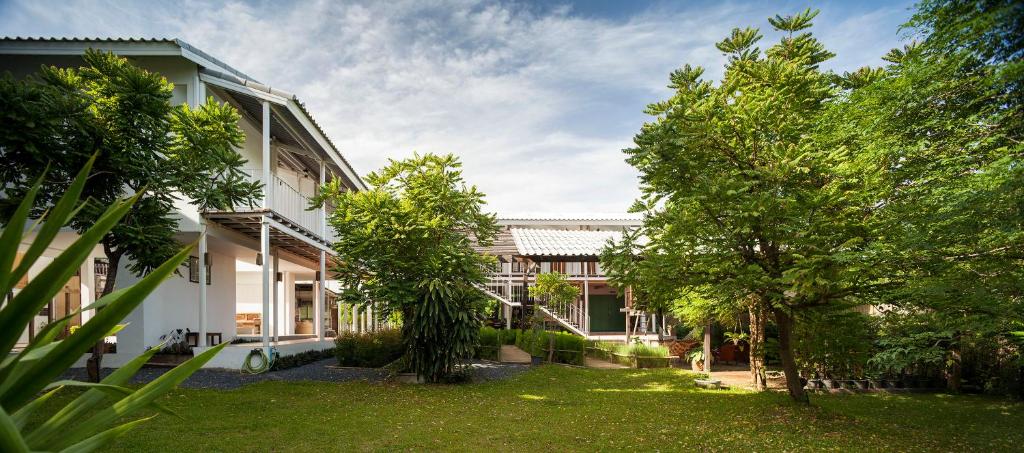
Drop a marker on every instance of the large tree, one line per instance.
(52, 123)
(742, 198)
(405, 246)
(938, 133)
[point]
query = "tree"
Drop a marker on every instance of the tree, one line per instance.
(741, 195)
(938, 134)
(553, 289)
(60, 118)
(27, 378)
(405, 246)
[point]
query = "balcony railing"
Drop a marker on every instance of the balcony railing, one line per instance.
(289, 203)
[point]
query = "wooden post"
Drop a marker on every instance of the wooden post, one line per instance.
(707, 348)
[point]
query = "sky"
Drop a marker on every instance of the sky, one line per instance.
(537, 99)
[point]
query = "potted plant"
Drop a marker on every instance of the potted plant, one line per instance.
(696, 357)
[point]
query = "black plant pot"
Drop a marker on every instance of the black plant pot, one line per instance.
(535, 360)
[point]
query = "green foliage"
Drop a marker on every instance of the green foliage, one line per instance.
(740, 200)
(302, 358)
(405, 245)
(939, 145)
(61, 117)
(568, 348)
(835, 344)
(554, 289)
(27, 377)
(369, 349)
(490, 343)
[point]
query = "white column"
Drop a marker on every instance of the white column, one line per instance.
(202, 280)
(355, 319)
(265, 264)
(321, 297)
(267, 188)
(586, 299)
(323, 209)
(276, 286)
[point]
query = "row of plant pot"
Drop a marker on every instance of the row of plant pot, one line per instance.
(865, 384)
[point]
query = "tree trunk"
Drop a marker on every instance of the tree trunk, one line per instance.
(954, 371)
(793, 383)
(94, 363)
(758, 318)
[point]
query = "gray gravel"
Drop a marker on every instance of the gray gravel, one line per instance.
(325, 371)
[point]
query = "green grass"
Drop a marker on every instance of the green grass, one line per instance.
(555, 408)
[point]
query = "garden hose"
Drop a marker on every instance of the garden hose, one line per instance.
(264, 363)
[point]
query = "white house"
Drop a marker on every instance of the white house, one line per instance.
(264, 266)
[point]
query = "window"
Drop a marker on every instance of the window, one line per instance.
(193, 270)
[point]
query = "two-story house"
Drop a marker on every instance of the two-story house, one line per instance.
(528, 245)
(260, 272)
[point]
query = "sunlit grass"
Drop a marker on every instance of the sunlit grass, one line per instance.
(555, 408)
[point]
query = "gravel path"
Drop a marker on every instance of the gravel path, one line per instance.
(325, 370)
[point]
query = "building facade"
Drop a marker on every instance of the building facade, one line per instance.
(568, 244)
(260, 271)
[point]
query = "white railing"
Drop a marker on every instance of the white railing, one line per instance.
(289, 203)
(570, 315)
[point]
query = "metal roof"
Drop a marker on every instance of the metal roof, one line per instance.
(573, 217)
(178, 42)
(219, 70)
(542, 242)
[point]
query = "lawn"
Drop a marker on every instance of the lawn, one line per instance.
(556, 408)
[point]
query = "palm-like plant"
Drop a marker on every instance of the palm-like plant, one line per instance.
(27, 379)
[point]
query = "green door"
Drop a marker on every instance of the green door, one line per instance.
(605, 315)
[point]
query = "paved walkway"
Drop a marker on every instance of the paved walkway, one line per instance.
(512, 354)
(591, 362)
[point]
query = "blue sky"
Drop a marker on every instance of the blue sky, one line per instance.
(538, 98)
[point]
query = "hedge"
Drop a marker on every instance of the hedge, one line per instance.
(568, 348)
(369, 349)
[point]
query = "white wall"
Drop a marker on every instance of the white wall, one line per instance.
(175, 305)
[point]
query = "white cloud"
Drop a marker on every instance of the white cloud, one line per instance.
(538, 101)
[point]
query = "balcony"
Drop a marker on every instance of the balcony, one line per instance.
(294, 226)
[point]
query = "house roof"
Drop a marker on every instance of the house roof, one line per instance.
(569, 220)
(210, 67)
(542, 242)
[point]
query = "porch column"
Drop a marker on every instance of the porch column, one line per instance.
(586, 298)
(321, 297)
(277, 286)
(267, 189)
(265, 265)
(354, 321)
(202, 280)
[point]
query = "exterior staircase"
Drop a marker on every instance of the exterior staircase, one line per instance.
(572, 316)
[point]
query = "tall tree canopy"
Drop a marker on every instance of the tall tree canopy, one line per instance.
(938, 133)
(743, 204)
(405, 246)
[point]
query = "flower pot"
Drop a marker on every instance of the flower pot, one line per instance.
(536, 360)
(697, 365)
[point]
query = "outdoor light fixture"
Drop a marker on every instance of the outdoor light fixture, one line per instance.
(259, 259)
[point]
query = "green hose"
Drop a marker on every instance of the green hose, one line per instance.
(264, 363)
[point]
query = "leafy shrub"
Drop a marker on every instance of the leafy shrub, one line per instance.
(369, 349)
(642, 350)
(569, 348)
(490, 343)
(302, 358)
(29, 378)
